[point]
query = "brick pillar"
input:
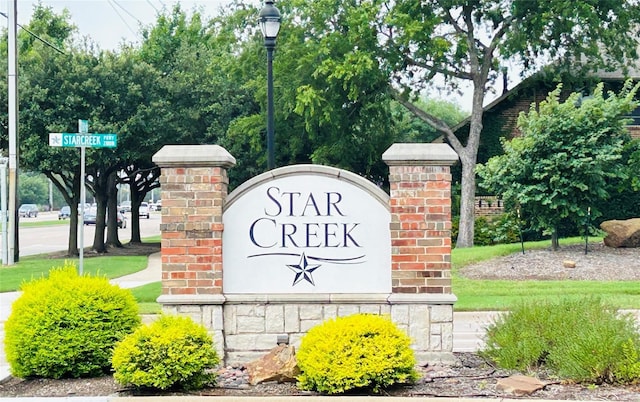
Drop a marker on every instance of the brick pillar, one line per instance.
(420, 180)
(193, 188)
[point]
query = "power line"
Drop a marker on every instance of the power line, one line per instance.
(152, 6)
(34, 35)
(120, 15)
(127, 11)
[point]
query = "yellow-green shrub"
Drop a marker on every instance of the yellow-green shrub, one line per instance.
(66, 325)
(172, 352)
(358, 351)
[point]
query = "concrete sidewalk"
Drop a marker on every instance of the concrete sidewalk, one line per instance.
(268, 398)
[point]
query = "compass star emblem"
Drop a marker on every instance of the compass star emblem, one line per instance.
(303, 270)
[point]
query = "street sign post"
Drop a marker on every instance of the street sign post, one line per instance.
(83, 139)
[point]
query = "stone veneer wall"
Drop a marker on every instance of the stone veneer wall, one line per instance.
(244, 327)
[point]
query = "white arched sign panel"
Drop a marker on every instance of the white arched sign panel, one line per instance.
(312, 230)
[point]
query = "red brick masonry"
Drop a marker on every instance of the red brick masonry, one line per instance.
(420, 180)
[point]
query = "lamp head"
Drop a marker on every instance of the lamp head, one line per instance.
(269, 22)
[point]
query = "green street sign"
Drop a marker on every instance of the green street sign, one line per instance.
(83, 140)
(83, 126)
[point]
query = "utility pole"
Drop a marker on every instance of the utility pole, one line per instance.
(12, 76)
(3, 206)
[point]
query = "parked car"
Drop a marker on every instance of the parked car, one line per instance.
(64, 213)
(144, 210)
(157, 206)
(90, 219)
(28, 211)
(125, 206)
(122, 220)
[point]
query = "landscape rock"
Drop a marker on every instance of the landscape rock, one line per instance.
(279, 365)
(622, 233)
(520, 385)
(569, 264)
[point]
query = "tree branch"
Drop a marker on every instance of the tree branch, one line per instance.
(486, 60)
(429, 119)
(463, 75)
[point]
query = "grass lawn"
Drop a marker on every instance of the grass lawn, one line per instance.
(146, 296)
(472, 294)
(476, 295)
(32, 224)
(503, 294)
(30, 268)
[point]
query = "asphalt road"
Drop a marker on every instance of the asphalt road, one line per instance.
(46, 239)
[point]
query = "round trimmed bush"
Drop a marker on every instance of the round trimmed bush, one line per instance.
(67, 325)
(172, 352)
(358, 351)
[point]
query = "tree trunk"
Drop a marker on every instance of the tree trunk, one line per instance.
(467, 200)
(69, 187)
(101, 212)
(72, 249)
(555, 242)
(136, 199)
(468, 158)
(100, 183)
(112, 212)
(74, 200)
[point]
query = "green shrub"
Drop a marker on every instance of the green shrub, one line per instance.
(505, 229)
(66, 325)
(359, 351)
(580, 340)
(482, 235)
(501, 229)
(172, 352)
(627, 369)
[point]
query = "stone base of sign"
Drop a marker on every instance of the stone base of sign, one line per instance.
(245, 327)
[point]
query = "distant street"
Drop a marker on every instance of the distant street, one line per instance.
(46, 239)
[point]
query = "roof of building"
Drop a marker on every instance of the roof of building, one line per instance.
(633, 72)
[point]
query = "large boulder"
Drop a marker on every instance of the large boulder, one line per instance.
(622, 233)
(279, 365)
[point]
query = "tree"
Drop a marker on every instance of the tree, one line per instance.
(317, 120)
(561, 165)
(456, 41)
(40, 86)
(33, 189)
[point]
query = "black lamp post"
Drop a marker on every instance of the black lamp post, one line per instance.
(270, 25)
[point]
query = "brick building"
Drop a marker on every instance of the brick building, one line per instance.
(500, 118)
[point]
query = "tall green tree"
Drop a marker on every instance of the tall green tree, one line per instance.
(197, 94)
(415, 43)
(33, 189)
(560, 168)
(318, 119)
